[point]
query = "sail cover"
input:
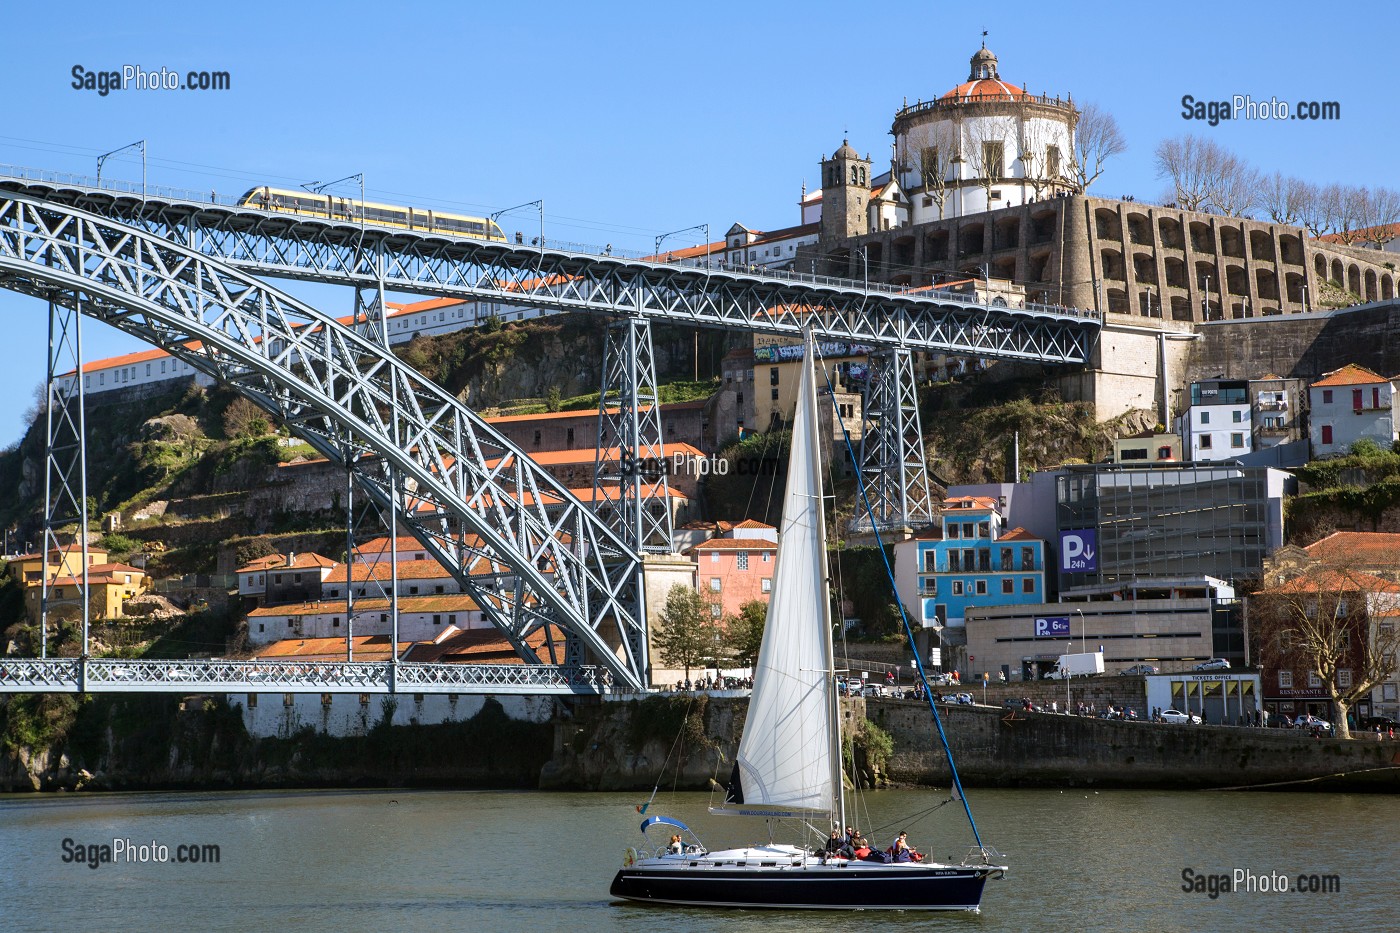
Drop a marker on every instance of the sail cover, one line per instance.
(786, 758)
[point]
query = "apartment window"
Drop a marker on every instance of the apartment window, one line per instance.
(981, 587)
(984, 558)
(955, 560)
(1027, 558)
(773, 375)
(1356, 399)
(1314, 681)
(1028, 585)
(1344, 678)
(767, 586)
(994, 159)
(1237, 440)
(1006, 558)
(1205, 417)
(260, 626)
(1375, 396)
(957, 587)
(767, 556)
(452, 619)
(148, 372)
(1327, 396)
(290, 623)
(1285, 680)
(437, 620)
(1390, 692)
(716, 611)
(438, 588)
(714, 557)
(1008, 586)
(738, 398)
(984, 530)
(413, 591)
(1237, 416)
(335, 622)
(537, 438)
(954, 530)
(743, 560)
(1326, 434)
(1205, 442)
(570, 440)
(774, 394)
(715, 584)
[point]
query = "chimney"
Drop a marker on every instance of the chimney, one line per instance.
(291, 558)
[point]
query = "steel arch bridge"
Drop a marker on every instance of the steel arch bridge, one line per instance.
(465, 490)
(317, 249)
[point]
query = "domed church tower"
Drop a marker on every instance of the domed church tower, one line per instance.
(983, 145)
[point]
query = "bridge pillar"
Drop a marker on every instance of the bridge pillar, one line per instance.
(65, 461)
(893, 471)
(630, 488)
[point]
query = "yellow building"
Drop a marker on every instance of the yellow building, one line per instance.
(66, 561)
(109, 587)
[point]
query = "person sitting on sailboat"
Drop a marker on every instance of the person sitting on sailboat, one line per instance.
(834, 845)
(677, 846)
(901, 851)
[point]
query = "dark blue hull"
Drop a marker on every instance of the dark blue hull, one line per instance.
(889, 887)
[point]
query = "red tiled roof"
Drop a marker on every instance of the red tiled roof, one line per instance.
(1019, 534)
(969, 504)
(984, 89)
(482, 646)
(383, 570)
(736, 544)
(755, 523)
(1360, 546)
(1333, 581)
(367, 648)
(1349, 375)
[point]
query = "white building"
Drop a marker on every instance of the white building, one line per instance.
(1218, 425)
(1347, 405)
(421, 618)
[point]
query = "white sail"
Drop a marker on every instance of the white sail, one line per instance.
(787, 759)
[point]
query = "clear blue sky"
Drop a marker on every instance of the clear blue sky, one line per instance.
(631, 119)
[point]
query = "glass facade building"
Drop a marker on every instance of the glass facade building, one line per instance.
(1178, 520)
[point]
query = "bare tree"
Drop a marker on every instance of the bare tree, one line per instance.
(986, 150)
(1236, 188)
(1284, 198)
(1188, 162)
(1334, 621)
(1040, 168)
(1380, 211)
(929, 151)
(1314, 213)
(1345, 204)
(1097, 139)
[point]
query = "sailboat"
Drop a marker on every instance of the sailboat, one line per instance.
(789, 760)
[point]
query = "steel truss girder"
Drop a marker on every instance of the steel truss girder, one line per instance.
(629, 419)
(308, 248)
(548, 558)
(113, 675)
(893, 467)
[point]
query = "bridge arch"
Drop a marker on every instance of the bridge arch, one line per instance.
(348, 396)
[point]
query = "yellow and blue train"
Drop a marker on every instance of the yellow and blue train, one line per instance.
(332, 207)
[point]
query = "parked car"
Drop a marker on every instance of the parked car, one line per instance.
(1311, 722)
(1379, 722)
(1214, 664)
(1138, 670)
(1178, 717)
(965, 699)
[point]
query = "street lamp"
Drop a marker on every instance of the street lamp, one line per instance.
(538, 205)
(1305, 298)
(139, 144)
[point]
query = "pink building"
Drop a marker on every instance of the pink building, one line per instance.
(737, 566)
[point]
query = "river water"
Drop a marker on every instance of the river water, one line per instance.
(406, 861)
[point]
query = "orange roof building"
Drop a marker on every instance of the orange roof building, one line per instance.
(1349, 405)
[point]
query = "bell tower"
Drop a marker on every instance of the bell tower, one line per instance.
(845, 197)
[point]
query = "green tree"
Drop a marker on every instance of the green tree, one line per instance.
(684, 636)
(744, 632)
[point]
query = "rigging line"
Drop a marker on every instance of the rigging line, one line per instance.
(909, 632)
(660, 775)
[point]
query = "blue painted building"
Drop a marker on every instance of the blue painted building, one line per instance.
(975, 562)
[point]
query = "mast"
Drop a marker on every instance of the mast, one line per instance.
(809, 400)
